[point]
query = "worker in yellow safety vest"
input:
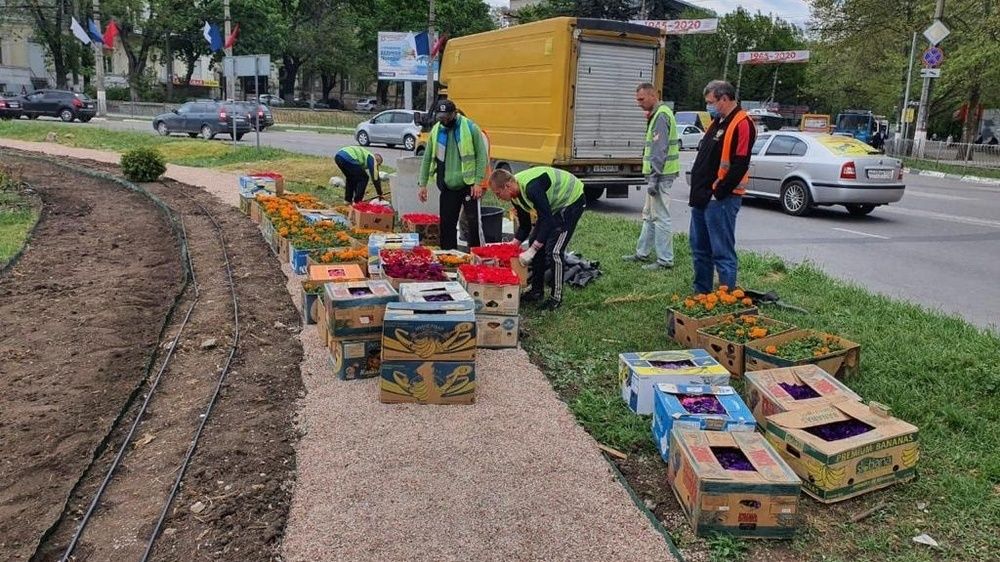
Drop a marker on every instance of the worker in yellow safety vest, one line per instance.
(357, 163)
(455, 160)
(556, 196)
(661, 165)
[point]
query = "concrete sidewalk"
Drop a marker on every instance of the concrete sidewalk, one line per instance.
(512, 477)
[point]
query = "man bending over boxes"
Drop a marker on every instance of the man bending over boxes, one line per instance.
(557, 198)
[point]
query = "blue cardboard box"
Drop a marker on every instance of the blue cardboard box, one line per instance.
(356, 358)
(638, 373)
(357, 308)
(314, 216)
(428, 382)
(669, 412)
(431, 331)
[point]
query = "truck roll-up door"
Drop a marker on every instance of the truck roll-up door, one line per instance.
(607, 123)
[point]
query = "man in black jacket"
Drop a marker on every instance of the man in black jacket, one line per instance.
(719, 178)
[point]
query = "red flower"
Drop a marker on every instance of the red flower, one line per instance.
(373, 208)
(501, 252)
(421, 218)
(488, 275)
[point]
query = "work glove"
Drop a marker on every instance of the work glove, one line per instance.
(527, 256)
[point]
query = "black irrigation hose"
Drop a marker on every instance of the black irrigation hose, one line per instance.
(176, 228)
(215, 395)
(138, 416)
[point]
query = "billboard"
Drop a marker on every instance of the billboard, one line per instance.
(404, 56)
(771, 57)
(682, 27)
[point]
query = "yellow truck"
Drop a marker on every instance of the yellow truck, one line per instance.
(559, 92)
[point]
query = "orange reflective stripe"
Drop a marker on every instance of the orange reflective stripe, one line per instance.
(727, 144)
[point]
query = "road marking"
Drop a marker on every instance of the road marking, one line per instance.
(859, 233)
(913, 193)
(973, 221)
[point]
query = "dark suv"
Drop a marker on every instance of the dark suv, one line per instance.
(58, 103)
(205, 118)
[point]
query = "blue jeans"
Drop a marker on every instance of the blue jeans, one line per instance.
(713, 243)
(656, 232)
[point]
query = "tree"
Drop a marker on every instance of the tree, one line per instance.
(704, 59)
(50, 19)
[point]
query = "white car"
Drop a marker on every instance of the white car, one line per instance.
(689, 137)
(391, 128)
(366, 104)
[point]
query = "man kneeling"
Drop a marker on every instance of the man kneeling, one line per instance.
(557, 198)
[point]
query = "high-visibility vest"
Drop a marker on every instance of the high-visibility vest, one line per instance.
(727, 144)
(360, 155)
(466, 150)
(564, 191)
(672, 166)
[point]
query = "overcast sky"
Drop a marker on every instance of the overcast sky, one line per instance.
(795, 11)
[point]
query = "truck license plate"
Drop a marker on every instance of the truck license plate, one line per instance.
(605, 169)
(880, 174)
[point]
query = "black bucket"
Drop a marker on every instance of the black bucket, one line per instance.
(492, 224)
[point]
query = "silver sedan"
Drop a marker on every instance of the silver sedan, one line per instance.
(391, 128)
(802, 170)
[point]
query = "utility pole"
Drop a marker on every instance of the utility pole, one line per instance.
(170, 70)
(920, 134)
(102, 96)
(230, 80)
(725, 69)
(739, 81)
(430, 59)
(906, 94)
(774, 83)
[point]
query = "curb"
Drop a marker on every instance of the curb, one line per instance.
(942, 175)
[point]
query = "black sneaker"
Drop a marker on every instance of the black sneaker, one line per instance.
(531, 296)
(551, 304)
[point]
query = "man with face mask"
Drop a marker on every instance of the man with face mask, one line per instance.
(660, 164)
(719, 178)
(456, 159)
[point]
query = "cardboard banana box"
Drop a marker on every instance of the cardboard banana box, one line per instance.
(434, 331)
(639, 373)
(428, 382)
(356, 358)
(757, 496)
(669, 411)
(445, 291)
(766, 392)
(842, 468)
(357, 308)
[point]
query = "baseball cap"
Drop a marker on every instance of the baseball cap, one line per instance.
(446, 106)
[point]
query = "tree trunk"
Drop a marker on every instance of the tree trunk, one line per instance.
(58, 63)
(329, 80)
(971, 123)
(286, 77)
(189, 71)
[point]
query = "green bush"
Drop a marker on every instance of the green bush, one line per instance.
(143, 164)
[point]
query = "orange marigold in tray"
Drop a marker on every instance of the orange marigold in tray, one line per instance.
(721, 301)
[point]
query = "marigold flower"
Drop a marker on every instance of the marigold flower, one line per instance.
(770, 350)
(738, 293)
(747, 301)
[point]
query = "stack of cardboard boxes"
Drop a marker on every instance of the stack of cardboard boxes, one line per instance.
(497, 311)
(354, 314)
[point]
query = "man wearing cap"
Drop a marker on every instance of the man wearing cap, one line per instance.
(557, 197)
(357, 164)
(455, 160)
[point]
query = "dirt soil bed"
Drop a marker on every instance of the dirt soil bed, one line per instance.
(244, 465)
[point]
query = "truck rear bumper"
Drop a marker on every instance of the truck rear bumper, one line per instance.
(606, 181)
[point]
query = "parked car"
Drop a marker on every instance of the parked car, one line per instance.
(263, 113)
(804, 170)
(700, 119)
(206, 119)
(391, 128)
(271, 100)
(63, 104)
(10, 106)
(366, 104)
(690, 136)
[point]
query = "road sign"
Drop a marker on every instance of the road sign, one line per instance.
(936, 32)
(682, 27)
(930, 72)
(908, 115)
(247, 65)
(932, 57)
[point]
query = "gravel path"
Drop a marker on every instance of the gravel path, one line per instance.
(512, 477)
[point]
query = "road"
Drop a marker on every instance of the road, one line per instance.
(940, 246)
